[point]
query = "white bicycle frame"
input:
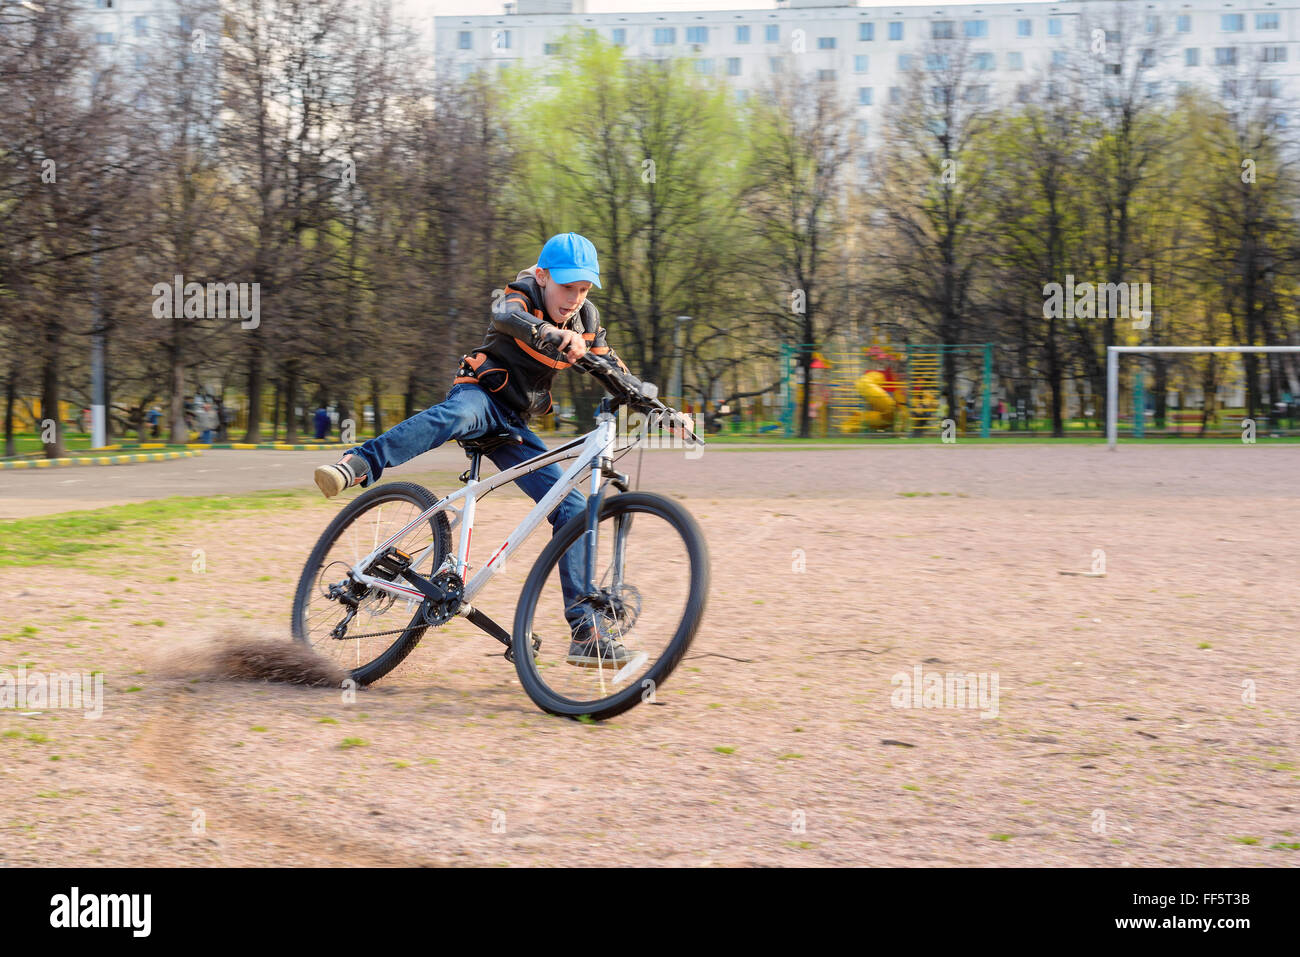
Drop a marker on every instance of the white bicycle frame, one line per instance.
(591, 451)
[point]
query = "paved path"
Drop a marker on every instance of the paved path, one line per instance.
(216, 471)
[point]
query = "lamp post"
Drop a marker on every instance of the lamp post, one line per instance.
(676, 390)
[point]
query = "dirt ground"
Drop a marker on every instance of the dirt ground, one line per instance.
(1147, 717)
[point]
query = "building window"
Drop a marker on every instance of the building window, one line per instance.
(941, 30)
(104, 39)
(466, 69)
(1015, 61)
(1225, 56)
(620, 36)
(864, 96)
(896, 30)
(1113, 69)
(936, 61)
(1267, 21)
(861, 63)
(733, 66)
(825, 43)
(697, 34)
(983, 61)
(1229, 89)
(1053, 26)
(1153, 24)
(1153, 89)
(742, 96)
(774, 64)
(1058, 58)
(464, 40)
(141, 59)
(1269, 89)
(826, 76)
(1192, 56)
(904, 62)
(977, 94)
(1272, 54)
(866, 31)
(187, 24)
(771, 33)
(742, 34)
(704, 66)
(1184, 23)
(1232, 22)
(500, 39)
(895, 95)
(1024, 28)
(665, 36)
(1147, 58)
(977, 28)
(550, 49)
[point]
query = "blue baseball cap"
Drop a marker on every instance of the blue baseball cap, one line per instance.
(569, 257)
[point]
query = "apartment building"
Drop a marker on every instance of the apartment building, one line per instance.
(866, 50)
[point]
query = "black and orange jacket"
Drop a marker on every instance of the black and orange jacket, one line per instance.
(512, 364)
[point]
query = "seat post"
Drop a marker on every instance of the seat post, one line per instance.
(474, 459)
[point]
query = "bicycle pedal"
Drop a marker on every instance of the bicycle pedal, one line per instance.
(509, 654)
(393, 563)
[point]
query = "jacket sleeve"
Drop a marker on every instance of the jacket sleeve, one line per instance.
(597, 343)
(511, 316)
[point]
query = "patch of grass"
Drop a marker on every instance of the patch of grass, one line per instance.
(1000, 837)
(723, 749)
(790, 756)
(257, 727)
(37, 738)
(401, 764)
(326, 721)
(353, 743)
(910, 787)
(586, 719)
(1282, 846)
(1246, 840)
(801, 845)
(1203, 645)
(133, 688)
(66, 538)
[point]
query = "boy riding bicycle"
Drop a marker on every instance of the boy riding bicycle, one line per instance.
(501, 385)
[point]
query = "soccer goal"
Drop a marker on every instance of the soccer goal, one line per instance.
(1112, 377)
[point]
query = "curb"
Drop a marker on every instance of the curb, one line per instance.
(97, 460)
(277, 446)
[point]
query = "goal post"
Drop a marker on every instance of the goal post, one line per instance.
(1112, 374)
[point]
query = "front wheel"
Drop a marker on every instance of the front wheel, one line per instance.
(651, 573)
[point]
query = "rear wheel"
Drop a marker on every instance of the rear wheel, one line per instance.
(652, 579)
(366, 631)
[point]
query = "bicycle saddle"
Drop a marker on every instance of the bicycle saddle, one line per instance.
(483, 444)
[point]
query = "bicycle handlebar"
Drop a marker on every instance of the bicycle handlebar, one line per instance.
(626, 387)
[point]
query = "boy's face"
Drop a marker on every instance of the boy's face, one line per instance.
(562, 301)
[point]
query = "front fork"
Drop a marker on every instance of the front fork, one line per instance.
(604, 469)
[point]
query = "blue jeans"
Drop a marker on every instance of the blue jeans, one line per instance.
(469, 412)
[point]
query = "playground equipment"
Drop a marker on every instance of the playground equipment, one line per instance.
(876, 388)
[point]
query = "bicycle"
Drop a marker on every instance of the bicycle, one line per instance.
(411, 569)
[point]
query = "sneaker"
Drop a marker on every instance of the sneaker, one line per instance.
(332, 479)
(593, 646)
